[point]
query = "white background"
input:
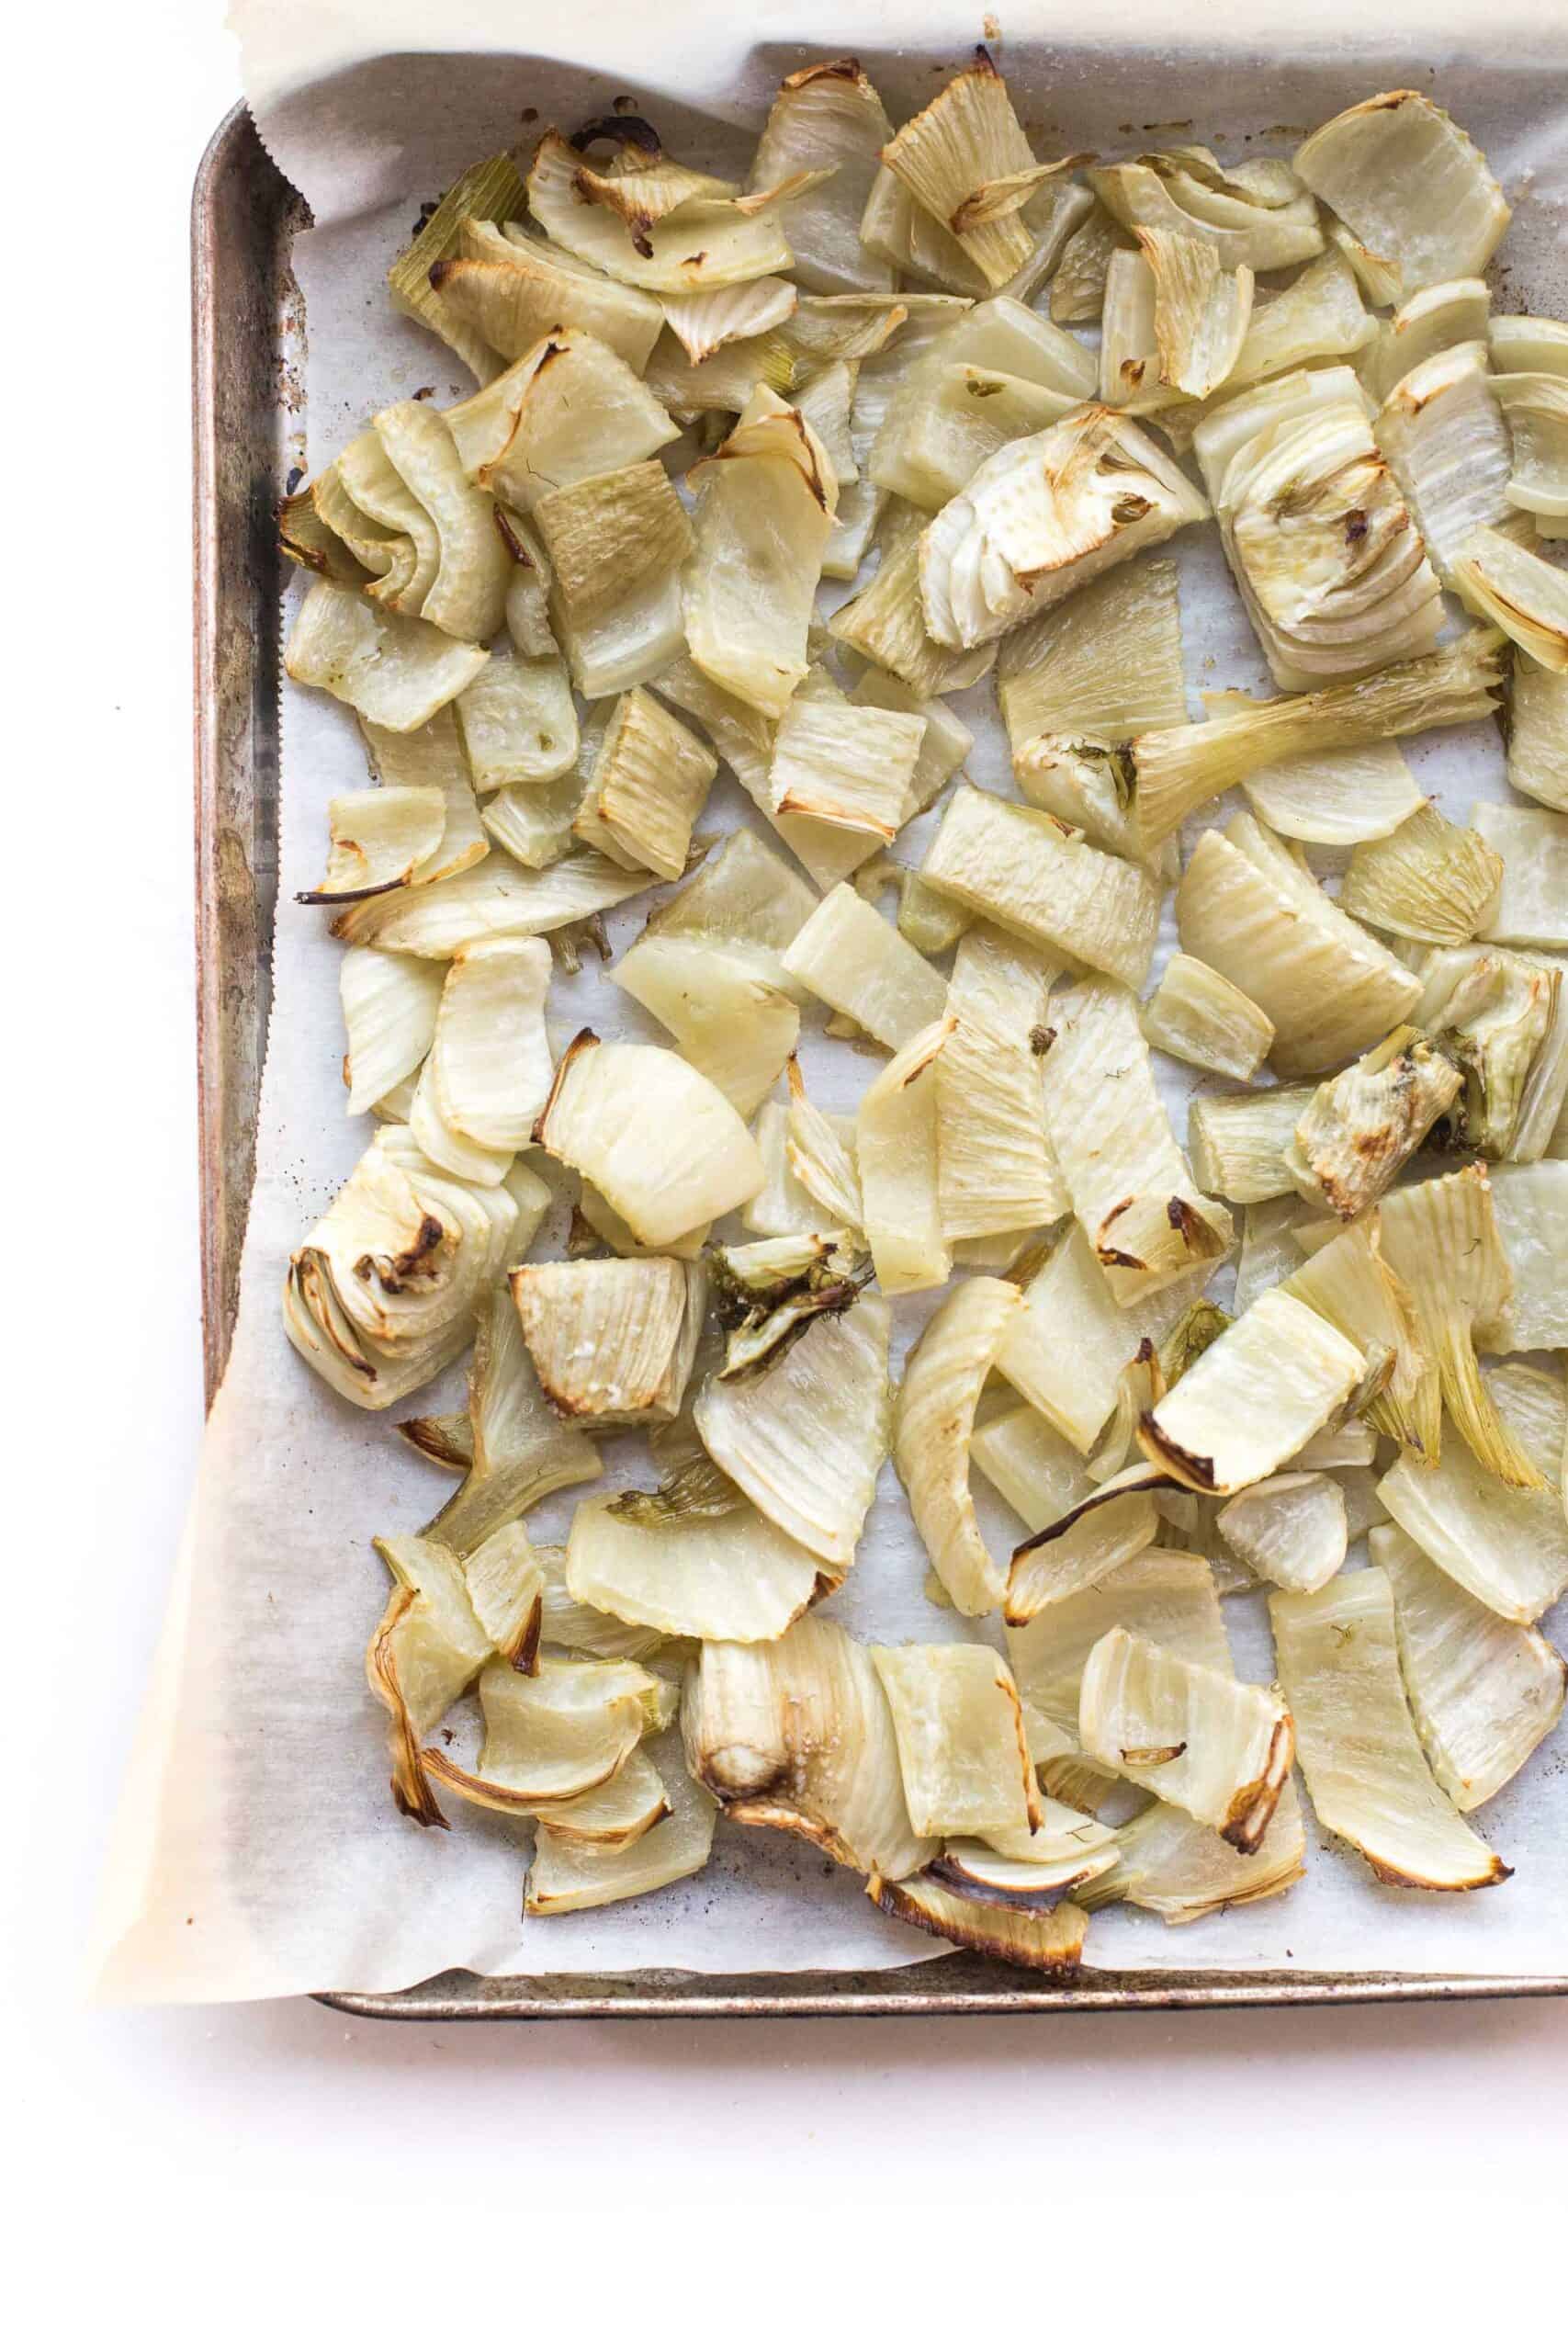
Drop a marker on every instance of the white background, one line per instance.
(223, 2174)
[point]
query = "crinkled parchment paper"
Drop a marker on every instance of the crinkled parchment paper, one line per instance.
(257, 1851)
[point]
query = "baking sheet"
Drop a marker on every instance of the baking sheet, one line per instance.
(257, 1852)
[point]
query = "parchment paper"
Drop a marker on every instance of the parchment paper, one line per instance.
(256, 1851)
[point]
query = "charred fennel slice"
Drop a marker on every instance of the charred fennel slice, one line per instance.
(844, 1069)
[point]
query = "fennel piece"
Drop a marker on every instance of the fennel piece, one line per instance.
(518, 722)
(426, 1650)
(1218, 1748)
(886, 623)
(1042, 517)
(1168, 1598)
(1330, 560)
(380, 839)
(651, 1134)
(1369, 1781)
(1247, 909)
(1524, 594)
(569, 1874)
(1440, 1239)
(1258, 214)
(1238, 1142)
(846, 766)
(729, 1022)
(1124, 1173)
(1050, 1940)
(804, 1435)
(1538, 732)
(962, 1751)
(1111, 1525)
(934, 1418)
(511, 287)
(1203, 1018)
(496, 900)
(1032, 875)
(996, 1171)
(1530, 1204)
(489, 190)
(1483, 1693)
(855, 961)
(1410, 184)
(744, 898)
(1507, 1546)
(1066, 1349)
(1176, 769)
(648, 785)
(613, 1340)
(896, 1161)
(519, 1450)
(570, 411)
(433, 758)
(565, 1729)
(1429, 880)
(396, 672)
(1337, 799)
(727, 1575)
(1456, 310)
(1038, 1473)
(1351, 1285)
(944, 746)
(765, 505)
(765, 1293)
(615, 544)
(1252, 1399)
(1078, 684)
(1201, 309)
(967, 163)
(390, 1005)
(1291, 1529)
(490, 1062)
(506, 1585)
(1533, 903)
(709, 238)
(1173, 1866)
(1360, 1129)
(1443, 432)
(796, 1734)
(384, 1290)
(827, 114)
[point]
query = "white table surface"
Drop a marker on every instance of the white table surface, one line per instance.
(257, 2153)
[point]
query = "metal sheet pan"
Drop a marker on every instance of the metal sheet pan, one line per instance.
(248, 336)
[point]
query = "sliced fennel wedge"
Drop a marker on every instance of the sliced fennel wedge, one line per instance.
(855, 960)
(654, 1136)
(1203, 1019)
(1484, 1692)
(1506, 1544)
(425, 1653)
(961, 1745)
(1405, 179)
(805, 1436)
(942, 1380)
(519, 1451)
(731, 1576)
(1219, 1748)
(1369, 1781)
(1034, 875)
(567, 1875)
(1252, 1399)
(1124, 1173)
(796, 1734)
(613, 1340)
(896, 1159)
